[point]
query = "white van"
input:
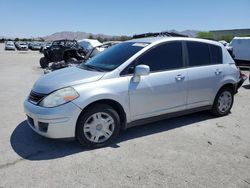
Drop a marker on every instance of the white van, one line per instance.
(241, 48)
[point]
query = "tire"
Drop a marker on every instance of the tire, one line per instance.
(44, 62)
(94, 122)
(223, 102)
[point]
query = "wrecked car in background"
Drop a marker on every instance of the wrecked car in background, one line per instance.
(73, 62)
(62, 50)
(89, 44)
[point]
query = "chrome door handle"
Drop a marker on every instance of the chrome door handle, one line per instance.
(218, 71)
(179, 77)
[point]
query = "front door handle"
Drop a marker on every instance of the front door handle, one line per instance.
(218, 71)
(179, 77)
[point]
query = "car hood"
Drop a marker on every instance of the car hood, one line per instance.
(63, 78)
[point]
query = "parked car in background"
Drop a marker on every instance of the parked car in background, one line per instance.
(132, 83)
(9, 45)
(241, 50)
(35, 45)
(89, 44)
(21, 45)
(30, 44)
(44, 46)
(62, 50)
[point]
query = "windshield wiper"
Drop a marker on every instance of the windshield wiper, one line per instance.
(91, 67)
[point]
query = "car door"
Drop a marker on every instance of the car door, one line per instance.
(164, 89)
(205, 73)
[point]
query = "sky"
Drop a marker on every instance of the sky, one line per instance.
(33, 18)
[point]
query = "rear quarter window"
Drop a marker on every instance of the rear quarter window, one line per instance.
(215, 54)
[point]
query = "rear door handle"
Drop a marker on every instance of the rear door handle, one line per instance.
(218, 71)
(179, 77)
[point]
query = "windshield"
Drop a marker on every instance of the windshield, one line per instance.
(10, 43)
(58, 42)
(114, 56)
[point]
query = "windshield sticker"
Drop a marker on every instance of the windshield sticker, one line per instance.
(140, 44)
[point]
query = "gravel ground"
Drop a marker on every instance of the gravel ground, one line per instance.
(196, 150)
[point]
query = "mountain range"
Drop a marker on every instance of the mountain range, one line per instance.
(73, 35)
(82, 35)
(78, 35)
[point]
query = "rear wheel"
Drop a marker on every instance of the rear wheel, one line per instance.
(223, 102)
(44, 62)
(98, 126)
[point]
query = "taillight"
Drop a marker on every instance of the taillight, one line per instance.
(242, 75)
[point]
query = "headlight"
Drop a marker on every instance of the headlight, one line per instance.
(59, 97)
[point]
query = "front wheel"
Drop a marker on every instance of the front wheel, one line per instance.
(223, 102)
(44, 62)
(98, 126)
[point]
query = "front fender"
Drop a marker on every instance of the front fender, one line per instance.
(115, 89)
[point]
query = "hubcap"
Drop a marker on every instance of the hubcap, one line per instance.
(99, 127)
(225, 101)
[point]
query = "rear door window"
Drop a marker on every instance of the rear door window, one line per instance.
(198, 54)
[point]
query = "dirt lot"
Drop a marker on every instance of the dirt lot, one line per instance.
(197, 150)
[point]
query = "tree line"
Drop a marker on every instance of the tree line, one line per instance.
(2, 40)
(211, 36)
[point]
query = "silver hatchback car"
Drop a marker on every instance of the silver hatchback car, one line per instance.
(132, 83)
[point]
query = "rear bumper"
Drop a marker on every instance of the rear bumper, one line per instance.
(58, 122)
(9, 48)
(239, 84)
(22, 48)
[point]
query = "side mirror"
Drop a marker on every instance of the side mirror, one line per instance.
(140, 70)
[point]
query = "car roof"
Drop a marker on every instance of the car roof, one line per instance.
(243, 38)
(165, 39)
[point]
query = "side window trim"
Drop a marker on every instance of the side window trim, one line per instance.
(135, 61)
(185, 54)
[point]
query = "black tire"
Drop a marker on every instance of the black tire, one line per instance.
(216, 110)
(85, 115)
(44, 62)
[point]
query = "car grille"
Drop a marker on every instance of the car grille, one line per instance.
(36, 97)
